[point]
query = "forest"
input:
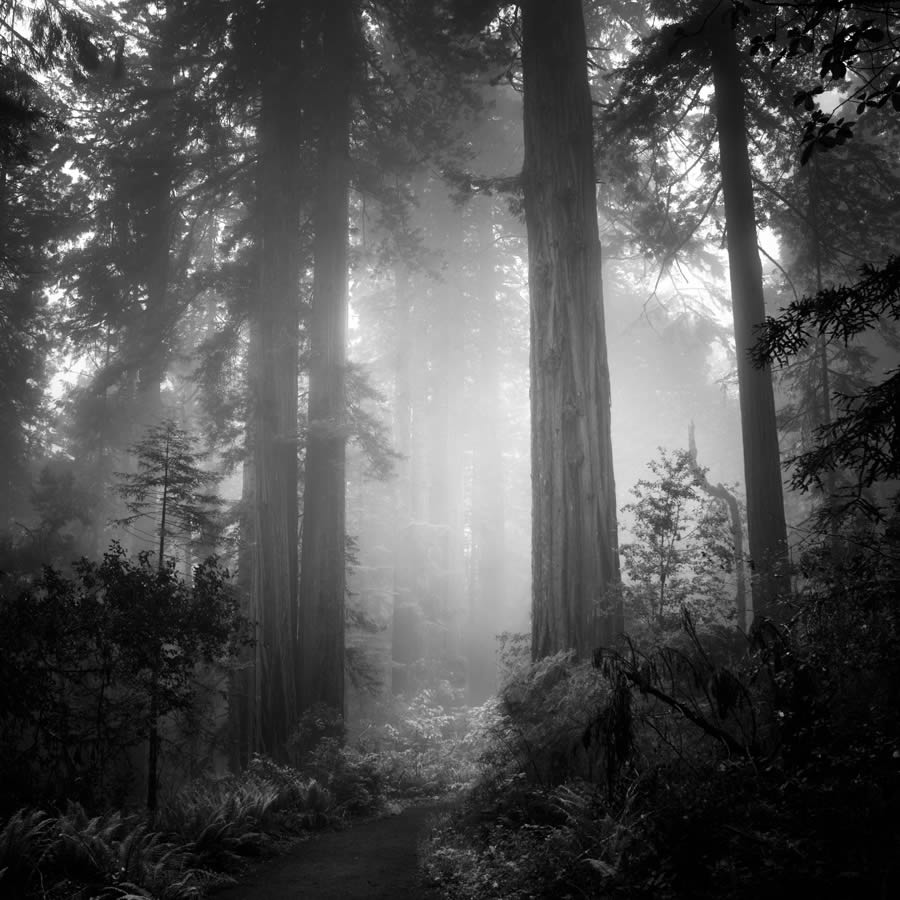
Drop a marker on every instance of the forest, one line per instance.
(462, 406)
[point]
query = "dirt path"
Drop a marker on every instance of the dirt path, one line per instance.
(371, 861)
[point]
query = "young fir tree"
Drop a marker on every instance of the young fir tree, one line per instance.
(171, 490)
(168, 488)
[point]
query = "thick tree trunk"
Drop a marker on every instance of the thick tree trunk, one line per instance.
(762, 463)
(273, 379)
(322, 571)
(720, 492)
(574, 544)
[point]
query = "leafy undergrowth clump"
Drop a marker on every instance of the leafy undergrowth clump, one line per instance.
(429, 746)
(671, 772)
(538, 821)
(208, 830)
(73, 856)
(197, 839)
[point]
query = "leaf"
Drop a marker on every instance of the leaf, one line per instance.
(604, 868)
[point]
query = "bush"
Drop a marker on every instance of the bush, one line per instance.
(91, 662)
(428, 746)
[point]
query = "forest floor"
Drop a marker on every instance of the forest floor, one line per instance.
(373, 860)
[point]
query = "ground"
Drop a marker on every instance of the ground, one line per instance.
(375, 860)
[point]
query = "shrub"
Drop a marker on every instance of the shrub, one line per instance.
(428, 746)
(91, 662)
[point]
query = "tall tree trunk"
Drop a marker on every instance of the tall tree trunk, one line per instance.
(243, 704)
(574, 543)
(488, 496)
(273, 378)
(762, 464)
(322, 571)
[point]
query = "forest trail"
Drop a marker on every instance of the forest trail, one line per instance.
(375, 860)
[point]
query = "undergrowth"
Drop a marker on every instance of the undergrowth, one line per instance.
(690, 771)
(207, 831)
(195, 841)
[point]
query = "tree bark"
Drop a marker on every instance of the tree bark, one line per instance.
(322, 571)
(574, 544)
(762, 463)
(720, 492)
(273, 381)
(243, 703)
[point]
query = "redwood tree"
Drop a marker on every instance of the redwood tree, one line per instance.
(322, 585)
(574, 544)
(762, 462)
(273, 378)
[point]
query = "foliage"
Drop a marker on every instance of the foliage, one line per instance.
(737, 769)
(537, 822)
(427, 746)
(682, 549)
(568, 846)
(205, 832)
(111, 856)
(854, 48)
(83, 656)
(863, 439)
(348, 774)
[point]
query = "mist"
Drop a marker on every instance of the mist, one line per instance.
(404, 400)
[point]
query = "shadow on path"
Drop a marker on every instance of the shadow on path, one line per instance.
(372, 861)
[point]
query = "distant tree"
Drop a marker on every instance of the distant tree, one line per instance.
(682, 550)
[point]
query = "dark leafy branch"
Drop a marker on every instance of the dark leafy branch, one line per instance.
(839, 313)
(864, 439)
